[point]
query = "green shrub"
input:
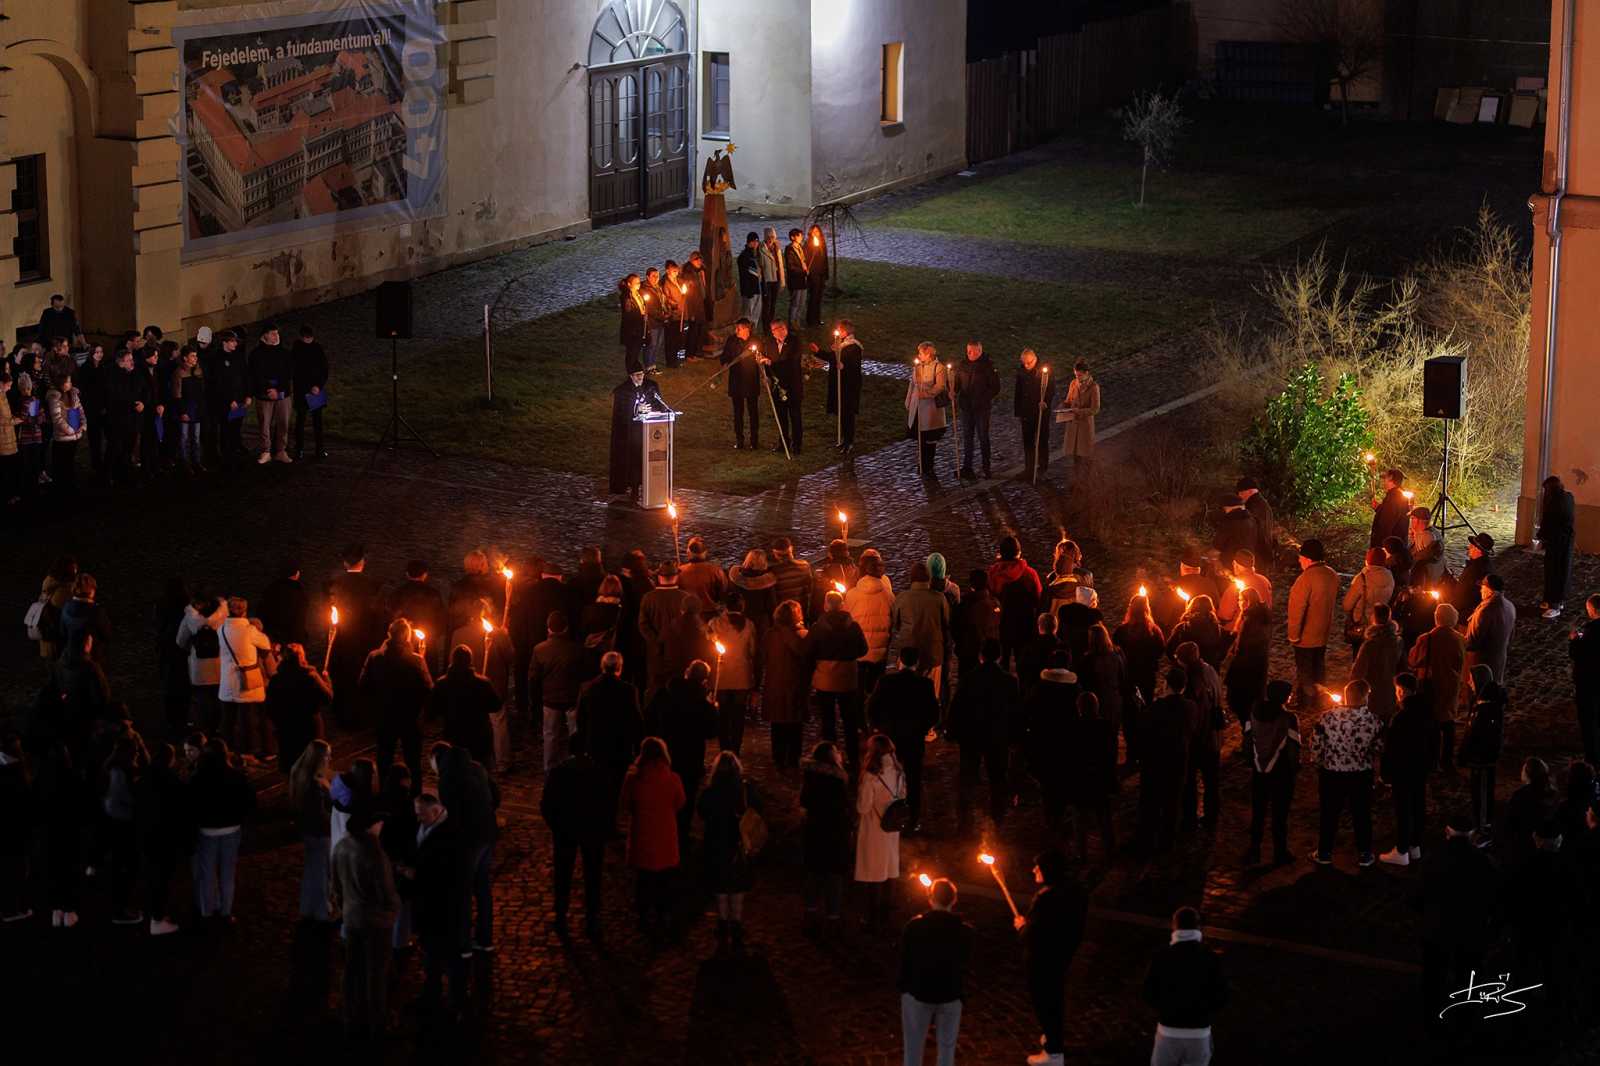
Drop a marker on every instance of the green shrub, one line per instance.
(1306, 448)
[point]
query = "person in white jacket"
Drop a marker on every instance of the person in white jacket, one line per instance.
(878, 852)
(207, 612)
(870, 601)
(242, 684)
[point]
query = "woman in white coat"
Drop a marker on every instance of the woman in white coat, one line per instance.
(242, 684)
(927, 398)
(206, 612)
(877, 852)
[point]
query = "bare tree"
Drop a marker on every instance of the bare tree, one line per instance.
(1153, 122)
(1348, 33)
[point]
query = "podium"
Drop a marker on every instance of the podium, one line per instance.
(655, 462)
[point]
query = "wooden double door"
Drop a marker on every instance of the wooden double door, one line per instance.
(638, 139)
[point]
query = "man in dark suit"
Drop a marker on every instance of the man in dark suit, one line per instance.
(361, 626)
(436, 901)
(750, 277)
(744, 382)
(784, 357)
(1391, 515)
(574, 804)
(610, 726)
(844, 376)
(795, 276)
(903, 707)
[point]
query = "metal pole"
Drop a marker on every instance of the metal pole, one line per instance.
(955, 415)
(838, 391)
(767, 384)
(488, 357)
(1038, 429)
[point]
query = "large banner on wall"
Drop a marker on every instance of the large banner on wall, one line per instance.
(296, 122)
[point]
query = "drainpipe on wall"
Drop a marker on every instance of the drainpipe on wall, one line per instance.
(1553, 230)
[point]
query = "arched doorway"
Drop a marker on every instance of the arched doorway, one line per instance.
(638, 111)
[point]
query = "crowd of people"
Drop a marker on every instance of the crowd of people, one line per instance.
(153, 406)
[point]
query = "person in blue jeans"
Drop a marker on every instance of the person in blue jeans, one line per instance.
(934, 951)
(222, 800)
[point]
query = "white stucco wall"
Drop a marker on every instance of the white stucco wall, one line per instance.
(517, 168)
(852, 151)
(770, 96)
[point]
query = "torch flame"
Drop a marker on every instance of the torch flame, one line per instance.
(1047, 368)
(1337, 699)
(1184, 595)
(843, 517)
(1408, 494)
(488, 626)
(927, 882)
(838, 586)
(683, 289)
(1434, 593)
(985, 858)
(722, 649)
(816, 242)
(1238, 584)
(672, 511)
(1143, 591)
(505, 572)
(333, 615)
(420, 635)
(1369, 458)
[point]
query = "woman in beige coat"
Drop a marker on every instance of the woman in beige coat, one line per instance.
(927, 399)
(1082, 405)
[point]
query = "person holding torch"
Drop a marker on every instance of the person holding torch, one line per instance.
(1051, 932)
(1034, 393)
(739, 355)
(843, 357)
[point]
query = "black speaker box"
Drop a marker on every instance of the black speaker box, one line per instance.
(394, 310)
(1444, 386)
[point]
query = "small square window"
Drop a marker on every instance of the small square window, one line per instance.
(717, 94)
(894, 67)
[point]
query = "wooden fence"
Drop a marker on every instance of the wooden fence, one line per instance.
(1021, 98)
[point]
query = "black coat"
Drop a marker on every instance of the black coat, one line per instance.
(123, 389)
(985, 702)
(850, 357)
(750, 272)
(270, 367)
(421, 604)
(788, 365)
(284, 606)
(609, 724)
(1391, 519)
(1409, 743)
(1164, 741)
(977, 383)
(308, 368)
(465, 700)
(1025, 396)
(577, 800)
(294, 699)
(635, 323)
(1185, 985)
(394, 687)
(1556, 511)
(744, 379)
(794, 266)
(681, 714)
(436, 894)
(1260, 511)
(1056, 920)
(904, 707)
(226, 379)
(1236, 530)
(1584, 651)
(825, 840)
(1051, 713)
(935, 947)
(627, 434)
(697, 303)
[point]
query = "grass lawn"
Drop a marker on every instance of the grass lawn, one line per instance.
(1092, 205)
(554, 375)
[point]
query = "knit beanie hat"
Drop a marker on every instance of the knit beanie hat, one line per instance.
(936, 567)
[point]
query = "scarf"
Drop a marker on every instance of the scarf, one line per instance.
(1181, 935)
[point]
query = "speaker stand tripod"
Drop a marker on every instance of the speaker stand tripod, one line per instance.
(1446, 503)
(392, 436)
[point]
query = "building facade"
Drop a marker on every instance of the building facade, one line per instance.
(189, 162)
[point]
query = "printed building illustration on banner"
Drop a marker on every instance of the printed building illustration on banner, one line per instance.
(293, 126)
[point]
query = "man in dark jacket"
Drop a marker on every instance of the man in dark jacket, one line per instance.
(1186, 986)
(1557, 514)
(363, 885)
(555, 677)
(228, 396)
(393, 688)
(784, 356)
(744, 380)
(124, 406)
(935, 948)
(1164, 759)
(696, 304)
(152, 417)
(574, 804)
(980, 721)
(1031, 401)
(465, 699)
(472, 798)
(308, 370)
(357, 596)
(1583, 647)
(421, 604)
(284, 605)
(436, 899)
(1408, 756)
(750, 277)
(1051, 933)
(1391, 515)
(1479, 565)
(610, 726)
(682, 714)
(1260, 512)
(795, 277)
(903, 707)
(271, 376)
(977, 383)
(1236, 531)
(843, 357)
(832, 649)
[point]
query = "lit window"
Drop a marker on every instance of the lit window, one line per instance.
(717, 94)
(894, 68)
(31, 245)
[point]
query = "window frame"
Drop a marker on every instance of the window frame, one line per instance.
(718, 95)
(38, 214)
(891, 89)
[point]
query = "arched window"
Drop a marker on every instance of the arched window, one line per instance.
(630, 30)
(603, 107)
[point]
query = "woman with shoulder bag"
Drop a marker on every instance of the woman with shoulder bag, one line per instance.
(881, 805)
(242, 681)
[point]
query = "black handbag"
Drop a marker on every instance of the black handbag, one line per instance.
(897, 815)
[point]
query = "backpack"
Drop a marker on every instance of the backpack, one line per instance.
(897, 815)
(205, 644)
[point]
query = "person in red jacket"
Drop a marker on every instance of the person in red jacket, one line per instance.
(652, 795)
(1016, 587)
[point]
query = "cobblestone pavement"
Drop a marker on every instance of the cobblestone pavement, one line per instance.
(1323, 961)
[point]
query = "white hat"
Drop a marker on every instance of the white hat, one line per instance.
(203, 335)
(1087, 596)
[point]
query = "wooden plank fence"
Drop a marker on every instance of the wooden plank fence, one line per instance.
(1019, 99)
